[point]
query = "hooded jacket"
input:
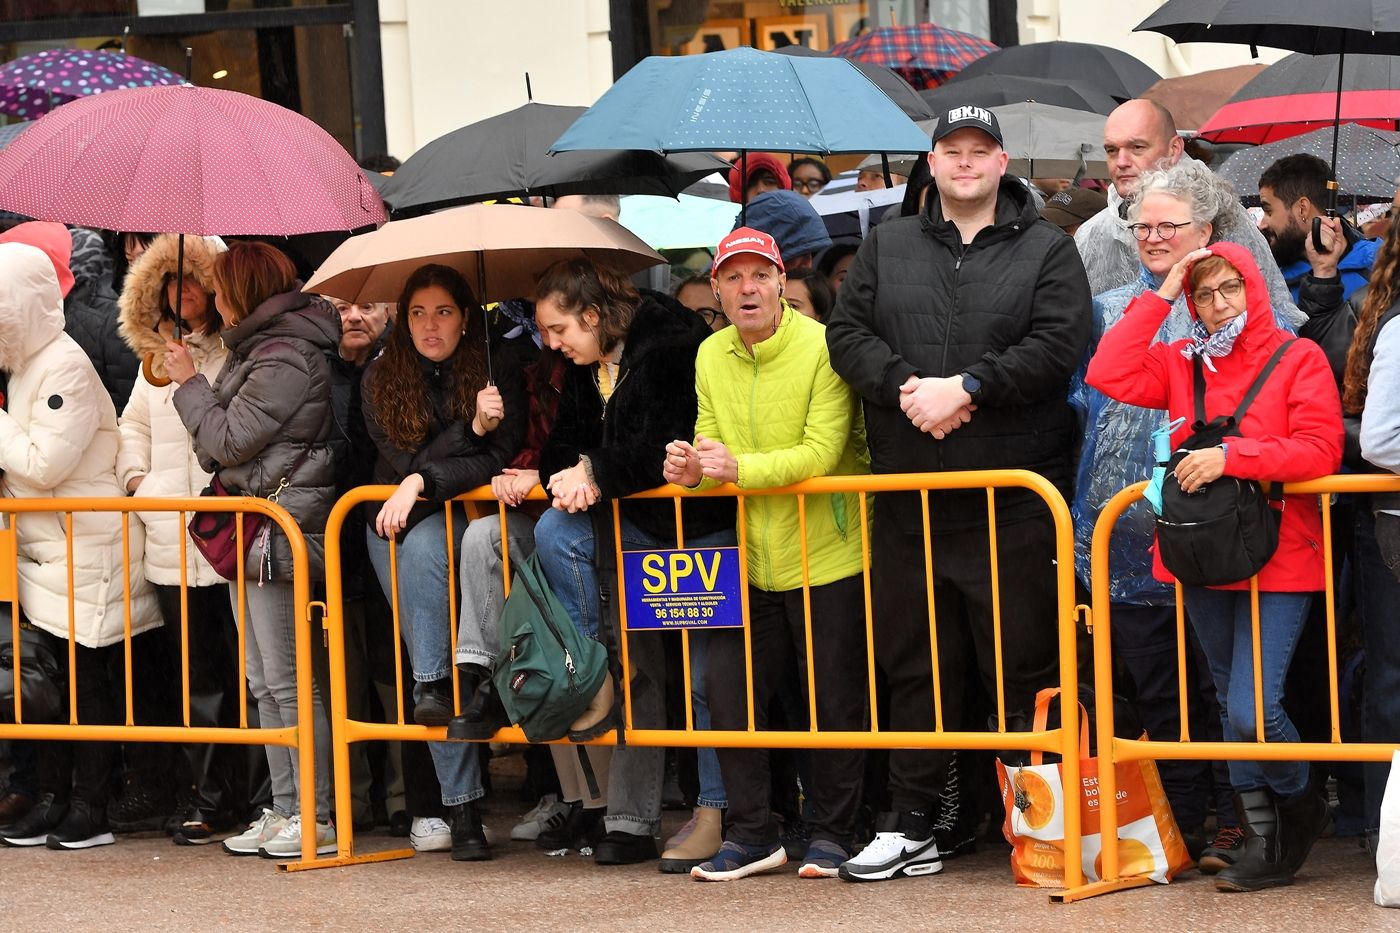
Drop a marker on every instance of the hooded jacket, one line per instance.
(791, 220)
(154, 442)
(269, 406)
(1011, 308)
(58, 439)
(1291, 433)
(92, 317)
(652, 404)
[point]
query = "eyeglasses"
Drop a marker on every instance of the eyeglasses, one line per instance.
(711, 315)
(1165, 230)
(815, 185)
(1230, 288)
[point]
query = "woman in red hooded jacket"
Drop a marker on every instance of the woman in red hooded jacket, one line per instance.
(1292, 432)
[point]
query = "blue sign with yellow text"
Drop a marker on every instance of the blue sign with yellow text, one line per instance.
(686, 588)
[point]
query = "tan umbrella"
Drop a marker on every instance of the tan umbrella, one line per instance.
(500, 248)
(1193, 98)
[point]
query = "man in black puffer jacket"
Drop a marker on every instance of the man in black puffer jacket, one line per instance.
(960, 328)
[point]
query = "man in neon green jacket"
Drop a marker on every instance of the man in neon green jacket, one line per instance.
(772, 413)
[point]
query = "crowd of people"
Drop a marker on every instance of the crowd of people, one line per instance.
(987, 323)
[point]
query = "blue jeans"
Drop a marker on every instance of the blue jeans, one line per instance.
(712, 792)
(564, 545)
(1221, 619)
(423, 577)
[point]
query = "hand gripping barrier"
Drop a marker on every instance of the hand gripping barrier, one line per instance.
(1113, 750)
(1062, 741)
(298, 737)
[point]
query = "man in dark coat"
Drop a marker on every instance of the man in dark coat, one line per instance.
(960, 328)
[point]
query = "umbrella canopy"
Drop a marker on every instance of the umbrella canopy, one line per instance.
(687, 222)
(1368, 160)
(1298, 95)
(506, 246)
(1193, 98)
(32, 85)
(1112, 71)
(1297, 25)
(185, 159)
(507, 156)
(997, 90)
(896, 88)
(925, 54)
(744, 99)
(1049, 142)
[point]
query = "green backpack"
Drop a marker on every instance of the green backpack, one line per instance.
(548, 671)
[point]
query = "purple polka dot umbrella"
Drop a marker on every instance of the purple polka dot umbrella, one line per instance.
(32, 85)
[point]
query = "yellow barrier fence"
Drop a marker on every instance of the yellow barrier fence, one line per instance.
(1062, 741)
(298, 737)
(1113, 750)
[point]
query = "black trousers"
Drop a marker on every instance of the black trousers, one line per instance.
(85, 768)
(963, 605)
(778, 638)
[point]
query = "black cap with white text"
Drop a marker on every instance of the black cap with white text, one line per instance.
(968, 117)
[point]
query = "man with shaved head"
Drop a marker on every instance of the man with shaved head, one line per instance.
(1139, 136)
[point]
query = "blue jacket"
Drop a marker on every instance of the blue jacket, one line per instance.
(1354, 269)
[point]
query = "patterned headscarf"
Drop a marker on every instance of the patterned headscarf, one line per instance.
(1206, 345)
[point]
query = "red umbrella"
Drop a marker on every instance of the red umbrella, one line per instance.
(185, 159)
(1268, 119)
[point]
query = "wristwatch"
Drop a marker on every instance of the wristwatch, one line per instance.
(971, 385)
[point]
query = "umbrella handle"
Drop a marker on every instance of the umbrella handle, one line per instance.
(159, 382)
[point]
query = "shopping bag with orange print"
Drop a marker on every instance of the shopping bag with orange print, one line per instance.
(1149, 845)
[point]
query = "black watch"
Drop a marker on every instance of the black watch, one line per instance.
(971, 384)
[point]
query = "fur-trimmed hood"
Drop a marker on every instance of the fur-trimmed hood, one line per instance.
(31, 306)
(140, 301)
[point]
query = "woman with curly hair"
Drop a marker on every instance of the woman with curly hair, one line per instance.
(441, 427)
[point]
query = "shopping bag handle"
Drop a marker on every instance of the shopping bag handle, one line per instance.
(1042, 716)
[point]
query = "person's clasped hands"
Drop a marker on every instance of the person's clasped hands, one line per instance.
(936, 406)
(686, 464)
(572, 489)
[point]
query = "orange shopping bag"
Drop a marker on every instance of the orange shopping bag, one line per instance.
(1149, 845)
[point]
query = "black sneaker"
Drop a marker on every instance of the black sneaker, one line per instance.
(620, 848)
(483, 717)
(435, 706)
(199, 828)
(955, 827)
(468, 835)
(85, 827)
(34, 827)
(139, 810)
(581, 832)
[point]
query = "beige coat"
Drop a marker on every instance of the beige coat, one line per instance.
(154, 442)
(58, 439)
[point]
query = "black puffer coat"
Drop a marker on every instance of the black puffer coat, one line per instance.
(90, 317)
(271, 404)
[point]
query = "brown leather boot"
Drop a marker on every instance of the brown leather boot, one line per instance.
(701, 845)
(597, 719)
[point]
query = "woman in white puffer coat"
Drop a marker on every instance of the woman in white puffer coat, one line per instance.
(157, 459)
(58, 439)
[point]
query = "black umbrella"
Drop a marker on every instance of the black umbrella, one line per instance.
(895, 87)
(1335, 27)
(1115, 73)
(507, 156)
(1000, 90)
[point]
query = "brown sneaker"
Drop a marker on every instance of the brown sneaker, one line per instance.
(700, 845)
(1222, 851)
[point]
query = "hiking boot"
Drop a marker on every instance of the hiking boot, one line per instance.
(623, 848)
(891, 855)
(14, 807)
(256, 835)
(734, 860)
(84, 827)
(199, 828)
(469, 843)
(1222, 851)
(139, 810)
(430, 834)
(483, 717)
(581, 831)
(34, 827)
(548, 814)
(434, 705)
(699, 845)
(287, 842)
(1260, 862)
(955, 827)
(824, 859)
(1302, 818)
(598, 718)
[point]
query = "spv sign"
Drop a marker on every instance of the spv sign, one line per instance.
(687, 588)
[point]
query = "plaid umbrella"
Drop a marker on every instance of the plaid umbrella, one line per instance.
(924, 54)
(32, 85)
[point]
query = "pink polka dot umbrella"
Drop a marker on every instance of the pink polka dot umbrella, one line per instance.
(32, 85)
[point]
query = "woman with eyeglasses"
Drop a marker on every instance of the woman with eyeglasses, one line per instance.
(809, 175)
(1292, 432)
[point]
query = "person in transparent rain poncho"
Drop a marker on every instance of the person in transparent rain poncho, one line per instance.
(1175, 211)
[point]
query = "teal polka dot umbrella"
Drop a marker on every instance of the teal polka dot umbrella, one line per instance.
(32, 85)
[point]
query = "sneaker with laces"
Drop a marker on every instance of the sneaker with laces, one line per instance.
(258, 832)
(430, 834)
(549, 813)
(890, 855)
(199, 828)
(287, 843)
(734, 860)
(955, 827)
(824, 859)
(1222, 851)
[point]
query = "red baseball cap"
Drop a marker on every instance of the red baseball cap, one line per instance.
(748, 240)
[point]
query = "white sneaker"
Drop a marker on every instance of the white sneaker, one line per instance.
(890, 855)
(549, 813)
(430, 834)
(258, 832)
(287, 843)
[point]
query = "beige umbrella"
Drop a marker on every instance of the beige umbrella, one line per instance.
(500, 248)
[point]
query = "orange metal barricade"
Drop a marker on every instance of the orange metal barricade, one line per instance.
(1113, 750)
(1062, 741)
(298, 737)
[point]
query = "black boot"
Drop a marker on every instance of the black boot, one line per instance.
(1302, 818)
(468, 835)
(434, 705)
(1260, 861)
(482, 718)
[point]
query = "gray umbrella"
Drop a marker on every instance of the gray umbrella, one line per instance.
(1368, 160)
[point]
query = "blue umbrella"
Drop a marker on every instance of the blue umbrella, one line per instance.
(744, 99)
